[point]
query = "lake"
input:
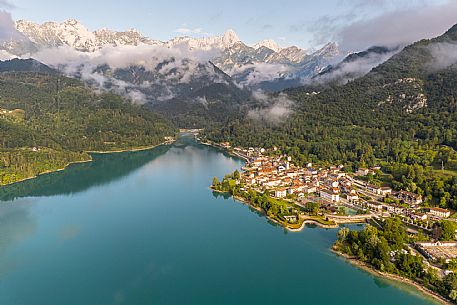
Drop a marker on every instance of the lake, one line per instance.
(144, 228)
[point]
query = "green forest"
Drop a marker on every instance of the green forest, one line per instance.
(48, 121)
(401, 116)
(384, 249)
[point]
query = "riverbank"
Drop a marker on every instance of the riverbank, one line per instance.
(87, 161)
(368, 268)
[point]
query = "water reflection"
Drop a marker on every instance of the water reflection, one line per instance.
(16, 225)
(104, 169)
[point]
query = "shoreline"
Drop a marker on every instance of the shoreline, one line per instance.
(143, 148)
(393, 277)
(230, 153)
(299, 229)
(86, 161)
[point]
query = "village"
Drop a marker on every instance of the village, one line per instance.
(333, 189)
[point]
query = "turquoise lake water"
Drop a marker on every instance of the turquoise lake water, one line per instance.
(143, 228)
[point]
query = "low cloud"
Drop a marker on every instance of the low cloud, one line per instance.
(398, 23)
(191, 31)
(350, 70)
(167, 67)
(273, 109)
(444, 55)
(259, 72)
(8, 31)
(7, 4)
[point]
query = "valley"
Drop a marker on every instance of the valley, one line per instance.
(341, 151)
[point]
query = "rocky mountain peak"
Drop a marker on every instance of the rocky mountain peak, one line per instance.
(268, 43)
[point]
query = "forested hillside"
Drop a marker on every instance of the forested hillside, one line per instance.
(47, 121)
(401, 115)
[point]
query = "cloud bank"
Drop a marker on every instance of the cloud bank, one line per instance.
(274, 110)
(397, 24)
(8, 31)
(164, 68)
(349, 70)
(444, 55)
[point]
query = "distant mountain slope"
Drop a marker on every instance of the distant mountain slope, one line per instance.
(47, 120)
(411, 99)
(355, 65)
(25, 65)
(253, 66)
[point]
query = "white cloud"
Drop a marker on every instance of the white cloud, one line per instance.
(444, 55)
(168, 67)
(385, 23)
(260, 72)
(274, 110)
(349, 70)
(191, 31)
(8, 29)
(7, 4)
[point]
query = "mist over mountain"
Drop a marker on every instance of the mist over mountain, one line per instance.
(251, 66)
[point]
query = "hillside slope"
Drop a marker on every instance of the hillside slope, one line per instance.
(47, 121)
(401, 115)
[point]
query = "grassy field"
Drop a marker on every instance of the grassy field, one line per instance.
(445, 173)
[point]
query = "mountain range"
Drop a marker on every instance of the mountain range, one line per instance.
(252, 66)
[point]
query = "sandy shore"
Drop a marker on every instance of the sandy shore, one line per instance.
(366, 267)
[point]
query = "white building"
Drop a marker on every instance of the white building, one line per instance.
(439, 212)
(329, 195)
(281, 193)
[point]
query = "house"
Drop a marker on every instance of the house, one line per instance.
(329, 195)
(353, 197)
(375, 206)
(395, 209)
(418, 216)
(291, 218)
(362, 172)
(410, 198)
(373, 189)
(384, 191)
(281, 193)
(309, 188)
(439, 212)
(225, 145)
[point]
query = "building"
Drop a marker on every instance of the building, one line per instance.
(439, 212)
(439, 250)
(281, 193)
(362, 172)
(375, 206)
(291, 218)
(384, 191)
(328, 195)
(418, 216)
(352, 196)
(410, 198)
(373, 189)
(395, 209)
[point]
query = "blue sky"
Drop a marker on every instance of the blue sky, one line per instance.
(290, 22)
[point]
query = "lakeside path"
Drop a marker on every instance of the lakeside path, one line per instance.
(89, 160)
(396, 278)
